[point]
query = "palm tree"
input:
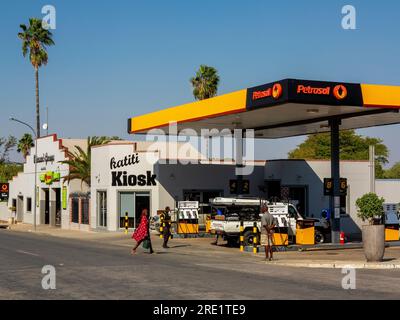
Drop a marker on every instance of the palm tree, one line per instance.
(35, 39)
(79, 161)
(205, 83)
(25, 144)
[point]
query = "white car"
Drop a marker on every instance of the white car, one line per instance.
(230, 211)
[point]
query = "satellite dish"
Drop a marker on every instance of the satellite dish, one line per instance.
(45, 126)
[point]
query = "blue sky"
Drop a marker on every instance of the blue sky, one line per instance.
(115, 59)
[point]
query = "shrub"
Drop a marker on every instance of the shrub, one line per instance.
(370, 207)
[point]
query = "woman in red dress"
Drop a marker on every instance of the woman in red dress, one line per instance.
(142, 232)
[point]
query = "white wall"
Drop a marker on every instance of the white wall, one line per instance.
(389, 190)
(4, 212)
(101, 180)
(312, 174)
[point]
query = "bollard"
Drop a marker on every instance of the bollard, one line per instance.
(241, 236)
(161, 226)
(126, 223)
(255, 238)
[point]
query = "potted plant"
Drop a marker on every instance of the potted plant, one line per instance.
(11, 220)
(370, 208)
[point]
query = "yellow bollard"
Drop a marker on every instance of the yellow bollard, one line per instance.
(126, 223)
(255, 238)
(241, 236)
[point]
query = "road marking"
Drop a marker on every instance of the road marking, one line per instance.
(29, 253)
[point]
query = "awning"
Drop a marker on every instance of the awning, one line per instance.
(279, 109)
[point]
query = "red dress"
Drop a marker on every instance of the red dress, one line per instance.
(142, 231)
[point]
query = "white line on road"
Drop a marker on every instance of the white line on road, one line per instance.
(29, 253)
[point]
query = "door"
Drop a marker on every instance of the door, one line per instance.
(299, 195)
(46, 206)
(20, 208)
(142, 201)
(58, 207)
(102, 209)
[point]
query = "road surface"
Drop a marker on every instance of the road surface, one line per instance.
(91, 270)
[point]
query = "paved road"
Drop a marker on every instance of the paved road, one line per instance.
(91, 270)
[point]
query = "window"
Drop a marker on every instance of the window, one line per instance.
(29, 204)
(203, 197)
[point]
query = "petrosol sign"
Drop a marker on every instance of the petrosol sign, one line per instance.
(121, 178)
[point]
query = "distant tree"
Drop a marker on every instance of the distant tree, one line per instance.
(79, 161)
(9, 170)
(25, 144)
(352, 147)
(205, 83)
(6, 145)
(35, 39)
(393, 172)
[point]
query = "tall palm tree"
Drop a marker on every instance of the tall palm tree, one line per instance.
(79, 160)
(35, 39)
(205, 83)
(25, 144)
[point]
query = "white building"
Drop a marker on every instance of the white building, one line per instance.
(127, 177)
(52, 193)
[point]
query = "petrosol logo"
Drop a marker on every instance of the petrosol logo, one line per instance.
(311, 90)
(275, 92)
(340, 92)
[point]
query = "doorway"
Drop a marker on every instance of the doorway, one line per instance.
(46, 206)
(20, 208)
(58, 207)
(132, 203)
(102, 209)
(298, 196)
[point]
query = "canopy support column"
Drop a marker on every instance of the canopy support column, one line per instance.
(335, 175)
(238, 136)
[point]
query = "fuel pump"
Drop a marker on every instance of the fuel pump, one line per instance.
(188, 217)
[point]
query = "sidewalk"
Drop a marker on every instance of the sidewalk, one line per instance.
(338, 258)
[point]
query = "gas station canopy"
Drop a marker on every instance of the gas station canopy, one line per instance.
(284, 108)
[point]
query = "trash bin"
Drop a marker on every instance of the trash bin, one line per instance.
(305, 232)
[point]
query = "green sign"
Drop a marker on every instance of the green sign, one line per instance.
(50, 177)
(64, 198)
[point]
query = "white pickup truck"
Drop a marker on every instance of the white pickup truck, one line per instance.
(230, 211)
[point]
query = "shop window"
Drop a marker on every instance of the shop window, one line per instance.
(203, 197)
(29, 204)
(132, 203)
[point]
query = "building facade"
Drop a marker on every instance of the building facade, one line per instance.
(53, 194)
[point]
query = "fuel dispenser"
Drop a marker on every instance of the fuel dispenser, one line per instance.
(305, 232)
(392, 222)
(188, 217)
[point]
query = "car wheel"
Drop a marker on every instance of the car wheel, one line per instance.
(319, 237)
(248, 238)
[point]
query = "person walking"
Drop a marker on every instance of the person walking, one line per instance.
(142, 233)
(166, 227)
(268, 223)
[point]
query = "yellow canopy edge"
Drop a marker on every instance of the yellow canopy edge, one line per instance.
(381, 95)
(228, 103)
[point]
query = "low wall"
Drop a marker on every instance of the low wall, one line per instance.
(4, 212)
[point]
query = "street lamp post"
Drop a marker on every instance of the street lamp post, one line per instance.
(35, 162)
